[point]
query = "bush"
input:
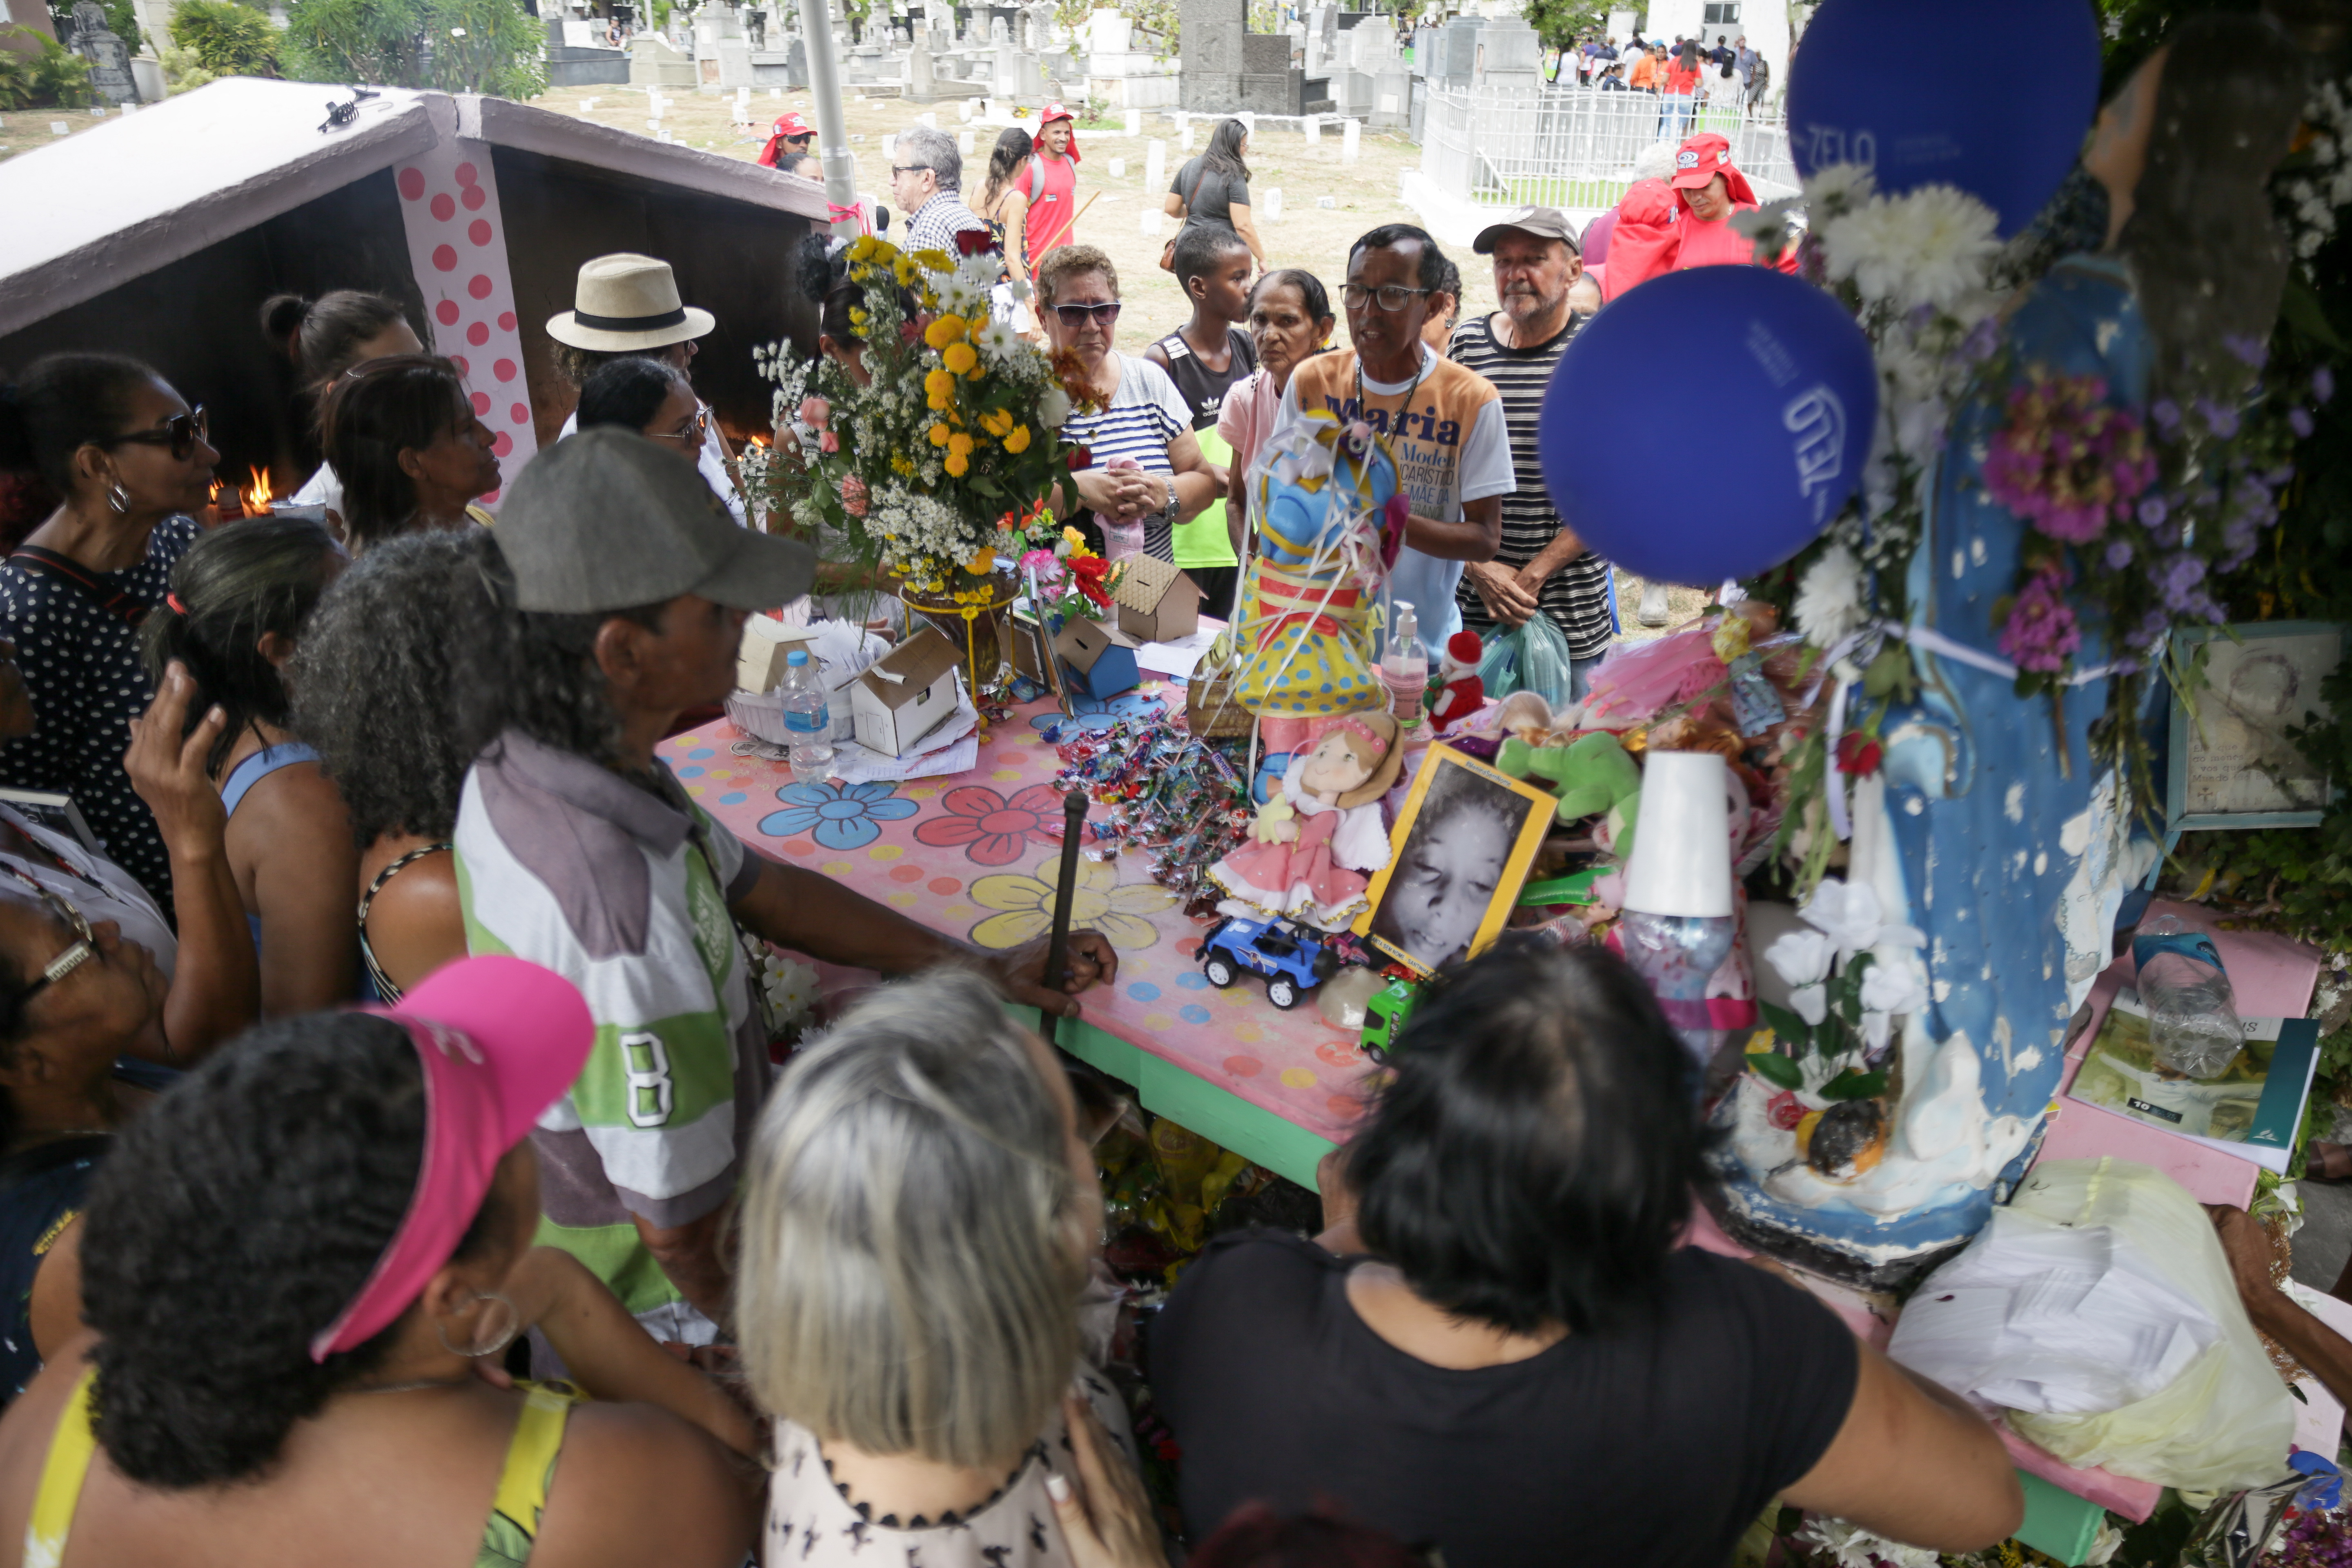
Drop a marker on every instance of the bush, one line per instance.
(55, 78)
(477, 45)
(225, 38)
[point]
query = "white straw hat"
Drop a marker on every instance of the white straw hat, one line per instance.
(627, 301)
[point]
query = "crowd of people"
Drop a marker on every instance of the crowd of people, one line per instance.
(394, 1162)
(1685, 72)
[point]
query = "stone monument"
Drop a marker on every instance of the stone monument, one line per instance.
(110, 60)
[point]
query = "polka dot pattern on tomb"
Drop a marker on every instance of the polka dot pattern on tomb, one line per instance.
(457, 250)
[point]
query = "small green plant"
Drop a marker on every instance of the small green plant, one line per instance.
(182, 70)
(225, 38)
(53, 78)
(476, 45)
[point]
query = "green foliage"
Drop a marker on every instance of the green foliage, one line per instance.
(227, 38)
(55, 78)
(477, 45)
(182, 70)
(1560, 23)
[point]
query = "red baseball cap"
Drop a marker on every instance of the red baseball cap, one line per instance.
(1055, 110)
(1701, 159)
(790, 123)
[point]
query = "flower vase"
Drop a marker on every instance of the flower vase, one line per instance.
(975, 615)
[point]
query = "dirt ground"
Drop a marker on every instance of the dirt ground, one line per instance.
(22, 130)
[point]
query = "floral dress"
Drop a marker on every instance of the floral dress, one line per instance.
(1314, 878)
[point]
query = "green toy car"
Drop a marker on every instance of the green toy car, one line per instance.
(1385, 1014)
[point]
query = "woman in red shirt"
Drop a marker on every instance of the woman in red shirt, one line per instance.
(1681, 92)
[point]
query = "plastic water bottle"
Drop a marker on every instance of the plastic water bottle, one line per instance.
(807, 718)
(2192, 1013)
(1404, 665)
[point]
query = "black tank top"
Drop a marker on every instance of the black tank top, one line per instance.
(1202, 389)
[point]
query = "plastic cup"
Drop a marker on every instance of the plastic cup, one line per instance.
(1682, 841)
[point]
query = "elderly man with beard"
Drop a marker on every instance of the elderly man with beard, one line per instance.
(1541, 565)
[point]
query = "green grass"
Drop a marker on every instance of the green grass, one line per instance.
(1538, 191)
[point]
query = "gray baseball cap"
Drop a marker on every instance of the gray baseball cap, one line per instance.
(607, 519)
(1544, 223)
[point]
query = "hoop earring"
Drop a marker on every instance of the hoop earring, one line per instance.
(499, 1340)
(117, 499)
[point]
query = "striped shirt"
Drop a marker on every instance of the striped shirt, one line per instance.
(1576, 596)
(624, 892)
(1146, 413)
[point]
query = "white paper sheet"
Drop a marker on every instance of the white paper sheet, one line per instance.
(1177, 659)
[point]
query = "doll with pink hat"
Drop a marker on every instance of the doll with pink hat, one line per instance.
(1316, 838)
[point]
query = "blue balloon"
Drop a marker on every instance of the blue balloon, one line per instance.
(1708, 424)
(1903, 86)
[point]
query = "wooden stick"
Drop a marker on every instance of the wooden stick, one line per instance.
(1074, 216)
(1057, 946)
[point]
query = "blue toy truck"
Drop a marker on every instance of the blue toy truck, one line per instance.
(1292, 962)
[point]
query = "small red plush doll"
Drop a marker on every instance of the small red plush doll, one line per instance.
(1464, 692)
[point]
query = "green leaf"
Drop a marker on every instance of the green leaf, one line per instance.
(1853, 1085)
(1775, 1069)
(1788, 1026)
(2300, 308)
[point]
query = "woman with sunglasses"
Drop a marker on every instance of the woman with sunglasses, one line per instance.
(125, 457)
(300, 1271)
(402, 434)
(1146, 469)
(650, 396)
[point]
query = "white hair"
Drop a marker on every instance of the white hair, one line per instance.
(1656, 162)
(913, 1238)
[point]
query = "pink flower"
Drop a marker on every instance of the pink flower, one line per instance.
(852, 495)
(2040, 632)
(2067, 462)
(827, 441)
(815, 412)
(1043, 564)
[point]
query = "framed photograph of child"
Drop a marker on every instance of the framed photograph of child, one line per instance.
(1458, 854)
(2233, 762)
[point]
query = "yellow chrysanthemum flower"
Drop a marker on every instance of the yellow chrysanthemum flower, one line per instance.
(938, 435)
(982, 564)
(957, 465)
(902, 465)
(943, 330)
(1017, 440)
(997, 422)
(939, 384)
(961, 443)
(858, 318)
(959, 357)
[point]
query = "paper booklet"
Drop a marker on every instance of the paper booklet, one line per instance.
(2252, 1110)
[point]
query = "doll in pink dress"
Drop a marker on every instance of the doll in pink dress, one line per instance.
(1314, 841)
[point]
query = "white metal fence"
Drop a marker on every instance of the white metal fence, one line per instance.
(1574, 147)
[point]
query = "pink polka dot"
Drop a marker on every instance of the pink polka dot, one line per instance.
(479, 231)
(481, 402)
(1245, 1067)
(519, 413)
(444, 207)
(412, 184)
(460, 362)
(445, 258)
(504, 370)
(800, 847)
(1345, 1107)
(945, 886)
(502, 444)
(471, 198)
(506, 321)
(468, 174)
(906, 873)
(479, 333)
(491, 499)
(445, 312)
(478, 285)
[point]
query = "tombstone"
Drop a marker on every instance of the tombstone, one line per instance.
(1006, 76)
(110, 60)
(1118, 168)
(922, 85)
(1108, 33)
(1042, 22)
(1135, 122)
(1510, 57)
(1184, 133)
(734, 65)
(999, 33)
(963, 143)
(1459, 50)
(1351, 140)
(654, 63)
(1271, 205)
(1312, 124)
(1155, 164)
(1211, 34)
(1029, 81)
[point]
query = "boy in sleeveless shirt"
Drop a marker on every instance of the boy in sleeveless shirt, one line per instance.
(1204, 357)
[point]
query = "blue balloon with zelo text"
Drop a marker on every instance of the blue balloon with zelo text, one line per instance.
(1708, 424)
(1992, 95)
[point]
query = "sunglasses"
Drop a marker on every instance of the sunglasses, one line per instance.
(84, 946)
(1075, 316)
(181, 433)
(695, 430)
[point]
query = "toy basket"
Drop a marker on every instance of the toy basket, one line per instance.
(1212, 710)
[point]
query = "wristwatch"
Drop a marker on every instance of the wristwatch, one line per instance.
(1166, 515)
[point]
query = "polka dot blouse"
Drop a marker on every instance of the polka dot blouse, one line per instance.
(81, 666)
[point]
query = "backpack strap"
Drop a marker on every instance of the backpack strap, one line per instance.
(66, 569)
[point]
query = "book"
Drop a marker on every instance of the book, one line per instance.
(58, 813)
(2252, 1110)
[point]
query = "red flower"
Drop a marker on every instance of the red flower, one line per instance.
(1089, 572)
(972, 241)
(1081, 459)
(991, 829)
(1784, 1110)
(1859, 754)
(909, 333)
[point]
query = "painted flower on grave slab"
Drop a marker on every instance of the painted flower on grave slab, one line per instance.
(837, 816)
(991, 829)
(1098, 903)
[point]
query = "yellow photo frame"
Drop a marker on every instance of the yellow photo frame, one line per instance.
(1458, 855)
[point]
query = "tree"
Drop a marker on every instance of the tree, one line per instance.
(454, 46)
(1560, 23)
(225, 38)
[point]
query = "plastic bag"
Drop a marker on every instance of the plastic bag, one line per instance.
(1531, 657)
(2187, 1400)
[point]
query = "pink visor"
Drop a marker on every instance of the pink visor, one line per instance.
(501, 1041)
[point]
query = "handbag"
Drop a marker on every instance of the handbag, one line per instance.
(1167, 251)
(65, 569)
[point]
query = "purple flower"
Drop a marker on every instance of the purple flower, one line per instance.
(2222, 422)
(2040, 631)
(2175, 577)
(1977, 346)
(2249, 350)
(2152, 512)
(2323, 384)
(2120, 555)
(2167, 414)
(2299, 421)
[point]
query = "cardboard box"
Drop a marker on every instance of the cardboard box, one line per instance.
(1157, 602)
(760, 659)
(905, 695)
(1101, 659)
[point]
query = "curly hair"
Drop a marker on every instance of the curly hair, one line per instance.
(1069, 261)
(232, 1223)
(535, 671)
(236, 585)
(375, 678)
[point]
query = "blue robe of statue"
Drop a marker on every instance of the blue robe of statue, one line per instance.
(2012, 866)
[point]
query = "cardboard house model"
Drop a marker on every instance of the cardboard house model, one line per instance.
(1157, 602)
(159, 234)
(904, 695)
(1100, 657)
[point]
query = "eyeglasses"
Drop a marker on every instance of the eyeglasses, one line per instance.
(695, 430)
(1075, 316)
(85, 944)
(1391, 295)
(897, 169)
(181, 433)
